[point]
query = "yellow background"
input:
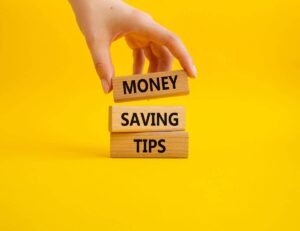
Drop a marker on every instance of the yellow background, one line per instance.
(243, 120)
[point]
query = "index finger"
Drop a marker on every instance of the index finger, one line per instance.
(164, 37)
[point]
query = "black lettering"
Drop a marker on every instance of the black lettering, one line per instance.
(152, 144)
(145, 119)
(126, 121)
(153, 119)
(145, 145)
(149, 119)
(161, 145)
(145, 88)
(152, 83)
(134, 119)
(161, 118)
(173, 119)
(129, 89)
(164, 81)
(137, 144)
(173, 81)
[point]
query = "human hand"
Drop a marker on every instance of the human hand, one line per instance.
(104, 21)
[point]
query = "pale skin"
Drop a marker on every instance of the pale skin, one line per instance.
(104, 21)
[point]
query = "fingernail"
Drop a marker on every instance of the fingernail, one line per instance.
(105, 85)
(194, 70)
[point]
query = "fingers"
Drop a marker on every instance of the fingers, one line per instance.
(100, 50)
(163, 37)
(153, 60)
(165, 58)
(160, 59)
(138, 61)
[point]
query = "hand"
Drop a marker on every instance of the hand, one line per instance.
(104, 21)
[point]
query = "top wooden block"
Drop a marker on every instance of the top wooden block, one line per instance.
(153, 85)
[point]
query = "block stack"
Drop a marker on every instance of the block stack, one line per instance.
(149, 131)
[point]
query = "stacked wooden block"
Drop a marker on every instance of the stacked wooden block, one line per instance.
(149, 131)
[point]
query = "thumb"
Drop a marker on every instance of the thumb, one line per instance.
(100, 51)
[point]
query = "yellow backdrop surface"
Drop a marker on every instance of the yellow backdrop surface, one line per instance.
(242, 116)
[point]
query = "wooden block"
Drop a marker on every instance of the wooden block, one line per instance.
(153, 85)
(146, 118)
(149, 144)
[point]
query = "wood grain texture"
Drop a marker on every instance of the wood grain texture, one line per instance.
(152, 85)
(146, 118)
(125, 145)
